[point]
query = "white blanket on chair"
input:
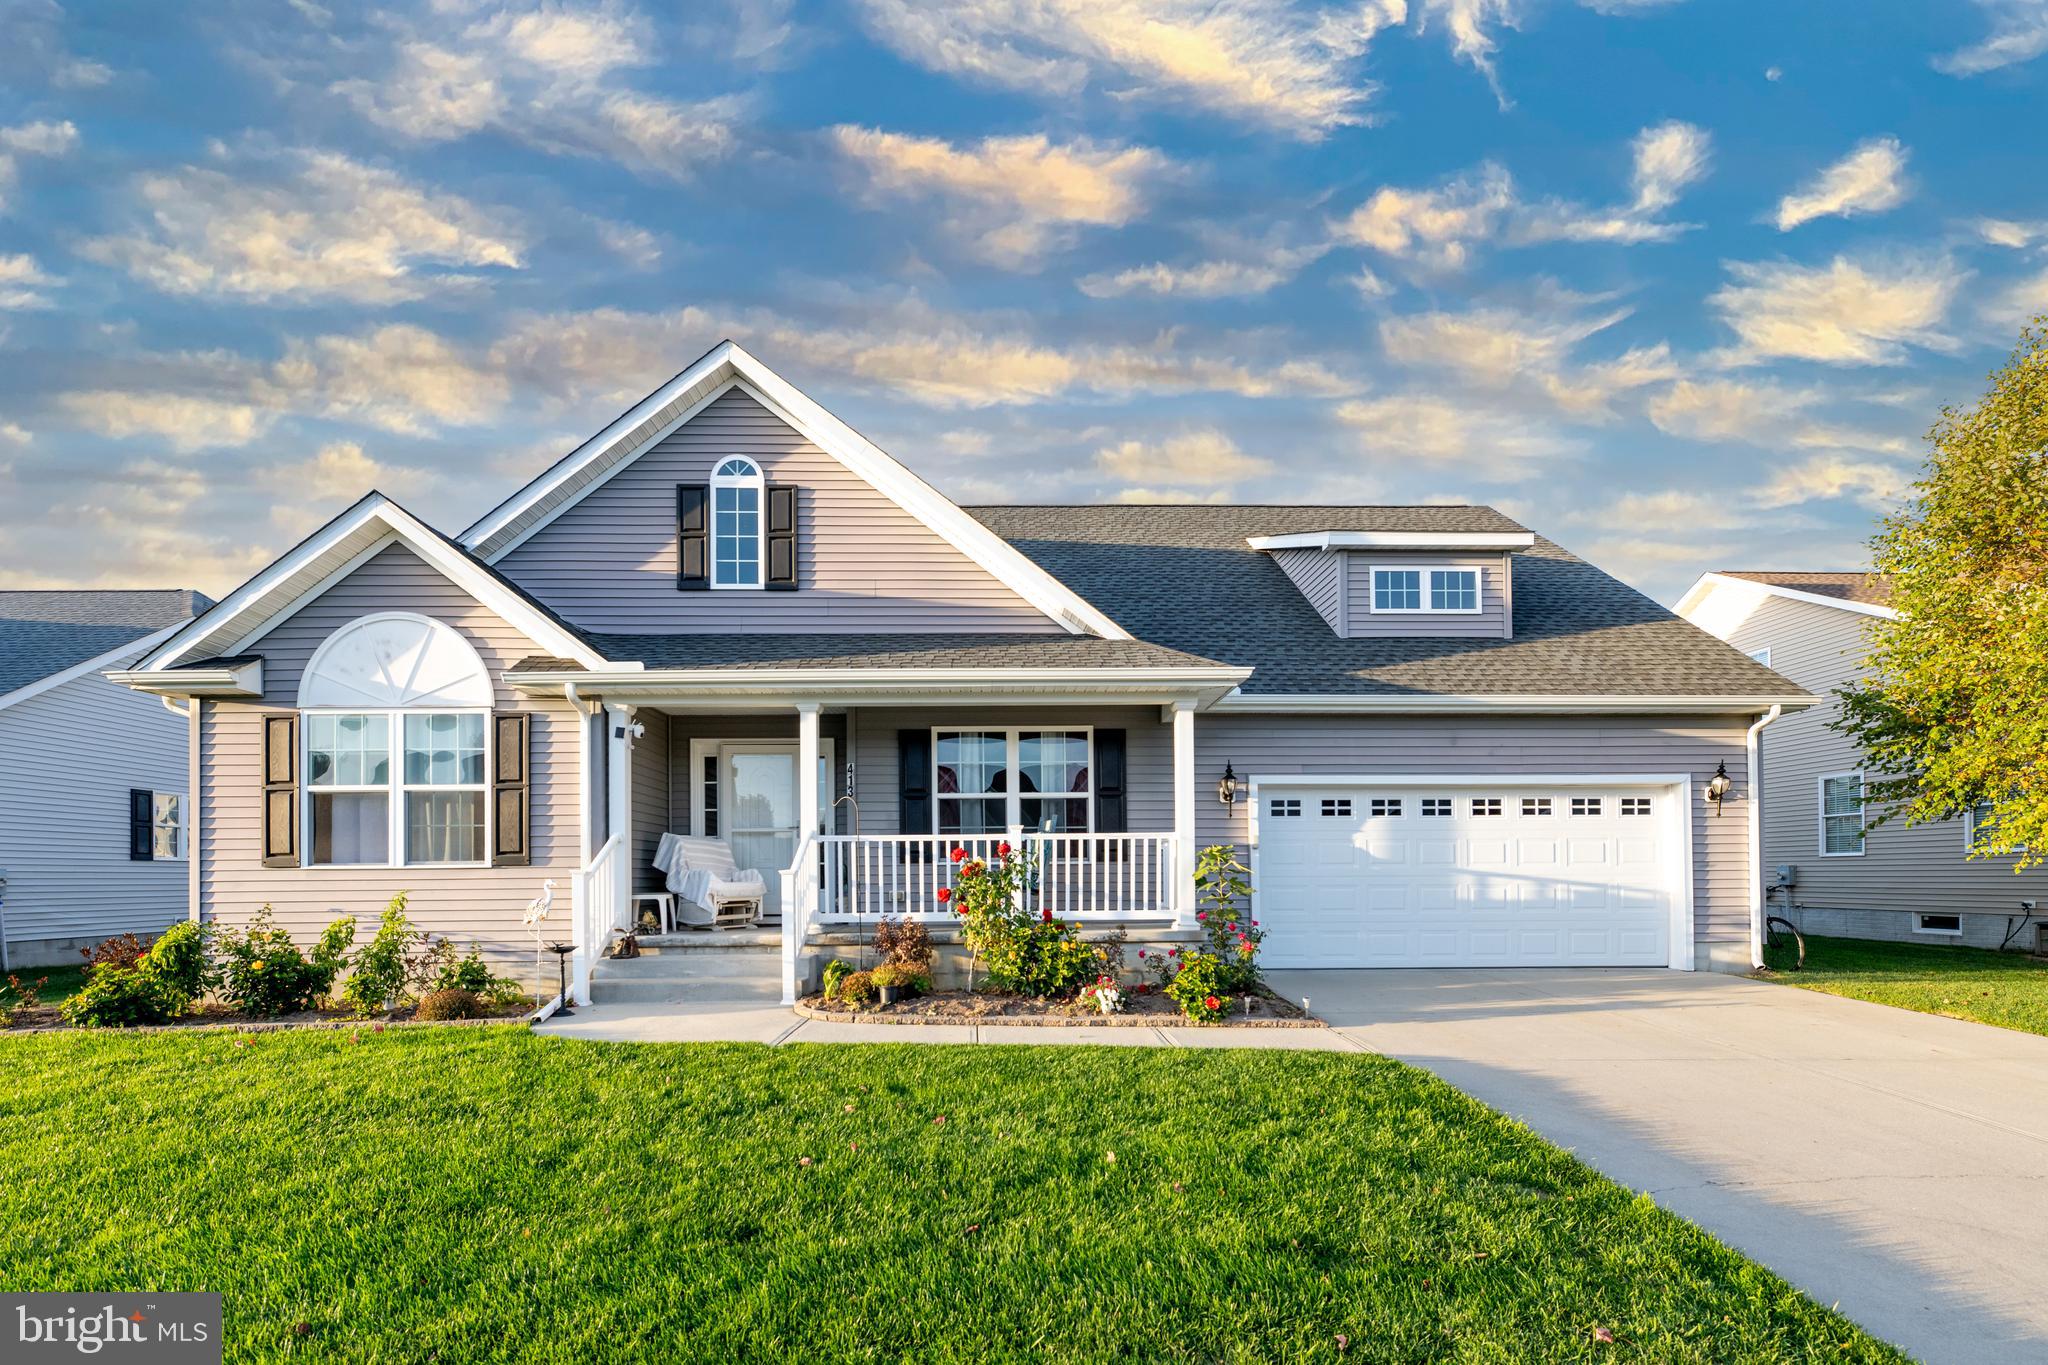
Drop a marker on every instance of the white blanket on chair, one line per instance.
(700, 886)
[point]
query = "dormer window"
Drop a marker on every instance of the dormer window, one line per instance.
(736, 497)
(1397, 590)
(1454, 590)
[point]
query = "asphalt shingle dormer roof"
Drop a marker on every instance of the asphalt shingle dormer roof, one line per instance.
(42, 633)
(1184, 577)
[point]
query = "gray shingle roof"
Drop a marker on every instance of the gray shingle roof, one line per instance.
(1868, 588)
(879, 652)
(42, 633)
(1183, 577)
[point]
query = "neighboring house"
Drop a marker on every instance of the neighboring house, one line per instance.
(93, 777)
(1891, 882)
(1452, 742)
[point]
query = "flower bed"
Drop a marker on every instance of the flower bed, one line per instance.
(1259, 1009)
(48, 1019)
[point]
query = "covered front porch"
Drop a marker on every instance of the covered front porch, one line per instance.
(851, 802)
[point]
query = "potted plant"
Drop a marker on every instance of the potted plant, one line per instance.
(893, 983)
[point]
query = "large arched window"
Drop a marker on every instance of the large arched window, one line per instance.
(395, 712)
(736, 524)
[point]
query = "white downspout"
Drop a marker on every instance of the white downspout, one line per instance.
(1753, 742)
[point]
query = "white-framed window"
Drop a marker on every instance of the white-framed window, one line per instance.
(395, 726)
(993, 781)
(166, 826)
(1587, 805)
(1635, 805)
(1389, 806)
(1486, 805)
(1336, 808)
(1980, 819)
(1397, 590)
(1535, 805)
(1762, 656)
(1454, 590)
(1436, 805)
(1946, 926)
(1841, 815)
(737, 494)
(1284, 808)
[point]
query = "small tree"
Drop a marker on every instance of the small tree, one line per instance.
(1954, 709)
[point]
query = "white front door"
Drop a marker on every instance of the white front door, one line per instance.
(759, 808)
(1467, 876)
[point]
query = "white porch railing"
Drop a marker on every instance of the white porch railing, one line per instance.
(799, 911)
(1077, 876)
(600, 912)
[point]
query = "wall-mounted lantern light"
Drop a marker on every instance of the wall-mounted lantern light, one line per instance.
(1717, 787)
(1226, 787)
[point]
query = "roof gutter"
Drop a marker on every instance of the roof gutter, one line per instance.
(244, 680)
(1509, 704)
(1206, 684)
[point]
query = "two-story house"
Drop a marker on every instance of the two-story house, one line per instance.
(1441, 739)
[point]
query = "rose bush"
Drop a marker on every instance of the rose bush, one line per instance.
(1028, 951)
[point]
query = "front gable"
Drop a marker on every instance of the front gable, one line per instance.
(608, 561)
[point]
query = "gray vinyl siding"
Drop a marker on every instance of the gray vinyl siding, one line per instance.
(68, 758)
(1320, 576)
(1902, 870)
(480, 904)
(863, 563)
(1361, 622)
(650, 760)
(1275, 745)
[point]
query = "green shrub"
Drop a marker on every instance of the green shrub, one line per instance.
(901, 978)
(263, 973)
(836, 971)
(1198, 988)
(452, 1003)
(179, 959)
(1024, 951)
(122, 997)
(389, 963)
(1223, 889)
(857, 988)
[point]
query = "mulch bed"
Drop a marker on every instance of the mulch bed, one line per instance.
(45, 1019)
(1151, 1010)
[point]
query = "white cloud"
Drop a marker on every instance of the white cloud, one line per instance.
(1436, 226)
(399, 378)
(1665, 159)
(318, 226)
(1199, 458)
(1876, 485)
(2019, 33)
(1254, 270)
(341, 471)
(22, 282)
(1156, 497)
(1842, 313)
(1504, 446)
(1870, 179)
(15, 434)
(1502, 349)
(40, 139)
(1724, 410)
(2007, 233)
(186, 422)
(1016, 197)
(1265, 62)
(1471, 24)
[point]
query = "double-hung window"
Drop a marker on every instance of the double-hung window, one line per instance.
(992, 781)
(1841, 815)
(428, 807)
(1454, 590)
(166, 826)
(1425, 590)
(736, 496)
(1397, 590)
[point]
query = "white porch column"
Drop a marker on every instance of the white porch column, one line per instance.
(1184, 813)
(807, 768)
(618, 728)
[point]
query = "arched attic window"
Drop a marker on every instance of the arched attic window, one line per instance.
(736, 498)
(395, 711)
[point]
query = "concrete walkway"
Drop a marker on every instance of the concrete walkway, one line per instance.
(1892, 1163)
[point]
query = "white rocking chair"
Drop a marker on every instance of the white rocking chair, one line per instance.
(711, 892)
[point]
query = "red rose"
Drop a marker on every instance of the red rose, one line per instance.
(958, 853)
(1003, 849)
(1046, 914)
(945, 894)
(1210, 1001)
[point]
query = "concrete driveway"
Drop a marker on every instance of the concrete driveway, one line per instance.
(1887, 1162)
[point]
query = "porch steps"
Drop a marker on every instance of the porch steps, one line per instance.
(707, 967)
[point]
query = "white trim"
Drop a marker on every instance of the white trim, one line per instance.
(395, 788)
(1820, 791)
(1956, 932)
(714, 747)
(184, 844)
(1372, 590)
(136, 647)
(1762, 656)
(1396, 540)
(1680, 948)
(862, 457)
(1183, 816)
(1753, 752)
(1427, 587)
(773, 689)
(403, 526)
(354, 562)
(1013, 795)
(434, 628)
(1707, 582)
(756, 483)
(241, 680)
(1279, 703)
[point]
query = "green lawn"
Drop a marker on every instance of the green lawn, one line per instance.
(483, 1194)
(2005, 989)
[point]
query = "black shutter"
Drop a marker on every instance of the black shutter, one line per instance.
(693, 537)
(780, 541)
(914, 789)
(511, 789)
(1112, 808)
(281, 790)
(141, 812)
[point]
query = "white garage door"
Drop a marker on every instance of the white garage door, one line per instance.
(1478, 876)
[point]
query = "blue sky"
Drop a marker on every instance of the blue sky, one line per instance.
(1680, 284)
